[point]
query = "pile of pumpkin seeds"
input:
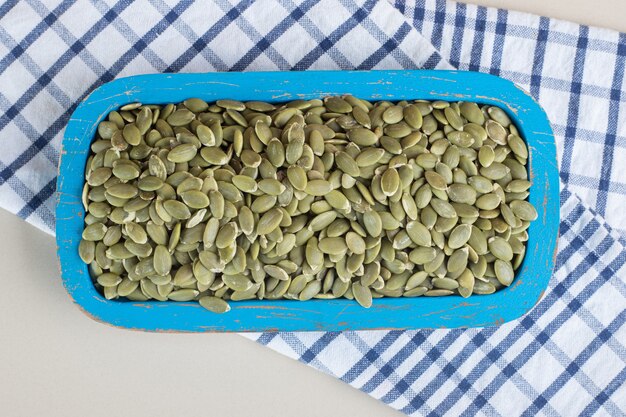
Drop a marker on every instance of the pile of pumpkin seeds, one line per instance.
(323, 198)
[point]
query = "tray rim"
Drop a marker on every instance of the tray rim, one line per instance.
(327, 315)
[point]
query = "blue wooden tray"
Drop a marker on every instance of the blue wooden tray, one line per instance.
(286, 315)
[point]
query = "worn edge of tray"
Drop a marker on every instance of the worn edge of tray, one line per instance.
(330, 315)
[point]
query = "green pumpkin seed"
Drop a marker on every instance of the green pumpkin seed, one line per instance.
(486, 155)
(472, 113)
(459, 236)
(483, 288)
(524, 210)
(237, 282)
(413, 116)
(458, 261)
(453, 118)
(318, 187)
(310, 290)
(297, 177)
(461, 139)
(390, 181)
(245, 183)
(214, 156)
(131, 134)
(489, 201)
(504, 272)
(269, 221)
(109, 279)
(162, 260)
(362, 136)
(438, 293)
(333, 245)
(443, 208)
(373, 223)
(362, 294)
(150, 183)
(196, 105)
(337, 105)
(445, 283)
(195, 199)
(94, 232)
(495, 171)
(499, 116)
(99, 176)
(419, 233)
(355, 243)
(271, 187)
(500, 248)
(347, 164)
(136, 232)
(87, 251)
(182, 153)
(214, 304)
(122, 191)
(435, 180)
(180, 117)
(226, 235)
(177, 209)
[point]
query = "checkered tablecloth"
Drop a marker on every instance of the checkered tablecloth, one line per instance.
(567, 357)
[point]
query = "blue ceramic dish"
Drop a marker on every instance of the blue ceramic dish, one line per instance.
(285, 315)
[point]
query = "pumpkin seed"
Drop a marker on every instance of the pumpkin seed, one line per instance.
(362, 136)
(523, 210)
(333, 245)
(182, 153)
(310, 290)
(269, 221)
(214, 304)
(94, 232)
(362, 294)
(317, 188)
(419, 233)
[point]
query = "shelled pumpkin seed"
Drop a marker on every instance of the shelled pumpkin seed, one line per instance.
(339, 197)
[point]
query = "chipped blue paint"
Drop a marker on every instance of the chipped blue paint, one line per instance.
(285, 315)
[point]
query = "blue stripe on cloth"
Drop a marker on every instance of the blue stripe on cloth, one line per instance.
(613, 123)
(318, 36)
(6, 7)
(574, 103)
(38, 199)
(433, 61)
(328, 42)
(479, 38)
(459, 32)
(388, 48)
(540, 53)
(438, 24)
(498, 43)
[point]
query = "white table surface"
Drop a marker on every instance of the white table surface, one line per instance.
(55, 361)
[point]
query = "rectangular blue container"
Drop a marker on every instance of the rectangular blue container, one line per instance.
(330, 315)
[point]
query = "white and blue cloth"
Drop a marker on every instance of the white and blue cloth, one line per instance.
(566, 357)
